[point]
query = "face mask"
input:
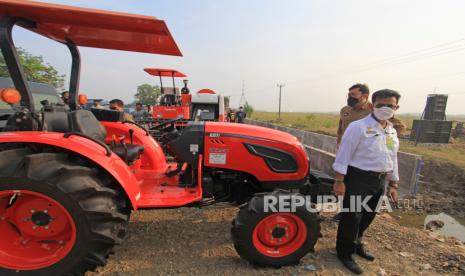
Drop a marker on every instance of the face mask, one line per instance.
(351, 101)
(383, 113)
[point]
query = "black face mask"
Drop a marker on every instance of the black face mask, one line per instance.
(351, 101)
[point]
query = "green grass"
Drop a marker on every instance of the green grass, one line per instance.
(453, 152)
(317, 122)
(327, 123)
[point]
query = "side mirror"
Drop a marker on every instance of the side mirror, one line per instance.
(10, 95)
(82, 99)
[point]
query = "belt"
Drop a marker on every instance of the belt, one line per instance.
(379, 175)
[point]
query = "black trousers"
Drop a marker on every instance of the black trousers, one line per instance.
(353, 223)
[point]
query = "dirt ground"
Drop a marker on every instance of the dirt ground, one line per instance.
(443, 188)
(190, 241)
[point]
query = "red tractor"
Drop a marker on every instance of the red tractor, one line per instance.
(172, 104)
(69, 178)
(205, 105)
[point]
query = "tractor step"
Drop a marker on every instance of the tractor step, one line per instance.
(167, 196)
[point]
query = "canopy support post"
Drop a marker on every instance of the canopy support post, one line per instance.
(75, 74)
(12, 58)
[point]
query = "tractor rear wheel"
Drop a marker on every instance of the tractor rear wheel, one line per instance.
(274, 238)
(56, 217)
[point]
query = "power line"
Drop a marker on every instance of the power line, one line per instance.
(406, 58)
(433, 51)
(416, 52)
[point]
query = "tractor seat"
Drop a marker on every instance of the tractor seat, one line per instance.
(134, 152)
(55, 118)
(84, 122)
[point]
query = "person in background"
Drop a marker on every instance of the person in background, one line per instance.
(231, 115)
(65, 97)
(358, 106)
(240, 115)
(228, 114)
(399, 126)
(97, 104)
(140, 113)
(366, 159)
(117, 104)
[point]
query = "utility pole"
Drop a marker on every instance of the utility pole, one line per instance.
(280, 87)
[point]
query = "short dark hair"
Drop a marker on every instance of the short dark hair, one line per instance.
(139, 104)
(385, 93)
(362, 87)
(118, 102)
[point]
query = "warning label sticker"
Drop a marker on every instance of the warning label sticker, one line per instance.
(217, 158)
(194, 148)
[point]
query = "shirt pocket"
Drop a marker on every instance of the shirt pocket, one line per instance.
(371, 135)
(372, 142)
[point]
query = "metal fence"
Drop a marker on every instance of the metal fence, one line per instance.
(322, 152)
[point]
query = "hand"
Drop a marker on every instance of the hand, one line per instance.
(339, 188)
(393, 193)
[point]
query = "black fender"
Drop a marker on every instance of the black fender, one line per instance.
(318, 184)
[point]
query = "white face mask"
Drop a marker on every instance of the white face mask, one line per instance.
(383, 113)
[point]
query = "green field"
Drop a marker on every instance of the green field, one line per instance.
(327, 123)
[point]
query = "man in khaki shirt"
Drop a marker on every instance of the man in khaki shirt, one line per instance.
(357, 107)
(399, 126)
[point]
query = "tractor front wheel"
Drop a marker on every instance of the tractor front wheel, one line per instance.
(274, 238)
(56, 217)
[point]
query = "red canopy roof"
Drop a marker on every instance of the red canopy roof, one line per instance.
(164, 72)
(206, 91)
(95, 28)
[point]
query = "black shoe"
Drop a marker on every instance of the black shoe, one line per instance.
(360, 250)
(352, 266)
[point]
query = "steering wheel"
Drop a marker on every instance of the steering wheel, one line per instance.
(138, 125)
(161, 126)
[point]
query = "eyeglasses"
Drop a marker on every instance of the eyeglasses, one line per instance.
(392, 106)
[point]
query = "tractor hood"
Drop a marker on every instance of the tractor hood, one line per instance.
(249, 131)
(273, 157)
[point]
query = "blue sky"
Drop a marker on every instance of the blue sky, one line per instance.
(318, 48)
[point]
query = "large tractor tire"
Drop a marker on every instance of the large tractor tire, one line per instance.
(57, 217)
(272, 238)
